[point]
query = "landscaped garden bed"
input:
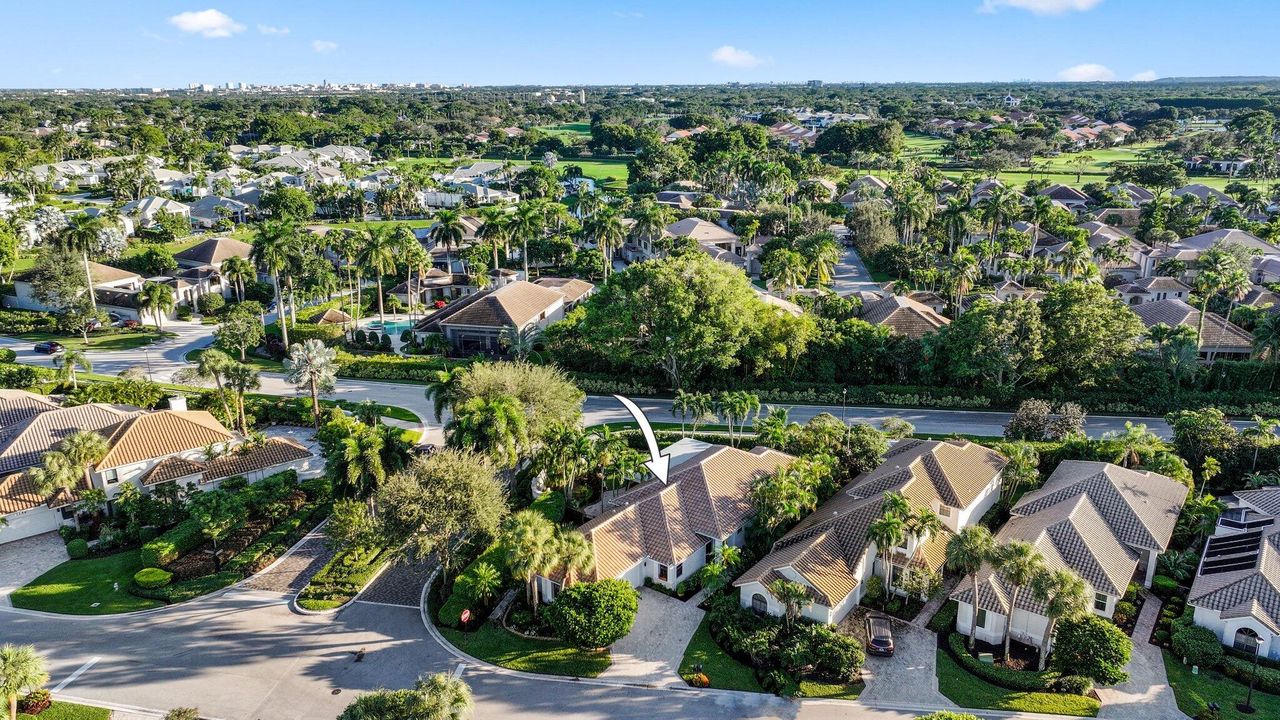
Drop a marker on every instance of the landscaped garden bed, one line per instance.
(342, 578)
(965, 689)
(1195, 691)
(59, 710)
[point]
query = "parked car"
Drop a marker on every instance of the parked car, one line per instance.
(49, 347)
(879, 636)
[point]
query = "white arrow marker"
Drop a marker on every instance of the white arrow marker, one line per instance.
(658, 464)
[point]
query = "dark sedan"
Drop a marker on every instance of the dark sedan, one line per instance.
(49, 347)
(879, 636)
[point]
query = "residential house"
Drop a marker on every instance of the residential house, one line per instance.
(666, 532)
(829, 551)
(1132, 192)
(575, 291)
(1102, 522)
(1072, 198)
(1236, 592)
(210, 210)
(143, 212)
(1219, 340)
(1152, 289)
(904, 316)
(1204, 192)
(475, 323)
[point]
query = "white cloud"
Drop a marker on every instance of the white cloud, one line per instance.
(324, 46)
(208, 23)
(272, 30)
(1040, 7)
(1145, 76)
(1088, 72)
(730, 56)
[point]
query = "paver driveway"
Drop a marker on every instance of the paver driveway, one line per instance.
(22, 561)
(651, 653)
(1146, 695)
(910, 677)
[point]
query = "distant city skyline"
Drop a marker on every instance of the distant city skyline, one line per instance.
(163, 44)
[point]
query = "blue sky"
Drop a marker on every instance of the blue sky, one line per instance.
(142, 43)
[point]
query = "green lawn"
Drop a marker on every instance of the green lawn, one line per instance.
(969, 691)
(1195, 692)
(724, 672)
(601, 169)
(74, 587)
(570, 130)
(69, 711)
(28, 260)
(836, 691)
(390, 411)
(112, 341)
(492, 643)
(264, 364)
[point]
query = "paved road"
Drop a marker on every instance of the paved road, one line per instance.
(851, 274)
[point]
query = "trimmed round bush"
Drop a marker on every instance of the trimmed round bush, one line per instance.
(1093, 647)
(1072, 685)
(7, 355)
(594, 614)
(77, 548)
(1198, 645)
(152, 578)
(1163, 585)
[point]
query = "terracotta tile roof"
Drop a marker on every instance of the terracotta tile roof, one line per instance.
(1218, 333)
(273, 452)
(516, 304)
(18, 406)
(1253, 591)
(704, 498)
(18, 493)
(904, 316)
(159, 434)
(29, 440)
(214, 250)
(1141, 508)
(170, 469)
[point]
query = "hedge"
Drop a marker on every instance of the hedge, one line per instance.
(1241, 670)
(944, 621)
(77, 548)
(16, 322)
(152, 578)
(188, 589)
(388, 367)
(279, 539)
(342, 578)
(23, 376)
(1198, 646)
(180, 539)
(1022, 680)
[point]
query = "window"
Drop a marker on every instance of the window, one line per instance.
(1099, 602)
(759, 605)
(709, 552)
(110, 477)
(662, 572)
(679, 569)
(944, 511)
(1246, 641)
(982, 617)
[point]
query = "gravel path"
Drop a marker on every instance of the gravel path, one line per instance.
(295, 571)
(400, 584)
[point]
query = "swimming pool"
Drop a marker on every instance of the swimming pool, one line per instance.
(395, 327)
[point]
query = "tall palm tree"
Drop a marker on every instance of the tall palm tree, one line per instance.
(823, 259)
(274, 250)
(955, 221)
(312, 365)
(81, 235)
(21, 671)
(238, 271)
(574, 554)
(967, 551)
(1262, 431)
(887, 532)
(1063, 595)
(1075, 258)
(1134, 443)
(1266, 341)
(1039, 212)
(448, 232)
(379, 253)
(157, 300)
(1018, 563)
(241, 378)
(530, 543)
(964, 273)
(496, 229)
(529, 222)
(652, 220)
(787, 268)
(605, 228)
(442, 391)
(67, 364)
(793, 596)
(356, 462)
(495, 426)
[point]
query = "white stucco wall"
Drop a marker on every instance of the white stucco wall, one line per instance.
(1226, 630)
(24, 524)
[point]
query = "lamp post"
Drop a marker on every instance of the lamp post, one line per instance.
(844, 404)
(147, 354)
(1247, 706)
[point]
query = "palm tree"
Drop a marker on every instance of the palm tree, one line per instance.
(447, 697)
(1263, 430)
(529, 222)
(530, 544)
(241, 378)
(81, 235)
(1134, 443)
(21, 670)
(1039, 212)
(967, 551)
(448, 232)
(84, 449)
(495, 426)
(605, 228)
(313, 365)
(356, 462)
(652, 220)
(575, 555)
(67, 364)
(887, 532)
(274, 249)
(774, 429)
(485, 581)
(441, 391)
(1075, 258)
(211, 365)
(955, 221)
(823, 259)
(1266, 341)
(520, 342)
(964, 272)
(379, 252)
(1063, 595)
(1018, 563)
(793, 596)
(238, 271)
(156, 299)
(496, 229)
(787, 268)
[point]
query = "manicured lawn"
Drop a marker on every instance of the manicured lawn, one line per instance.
(113, 341)
(265, 364)
(970, 691)
(74, 587)
(836, 691)
(571, 130)
(492, 643)
(724, 672)
(1195, 692)
(69, 711)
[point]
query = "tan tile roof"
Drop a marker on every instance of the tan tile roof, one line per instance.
(170, 469)
(160, 434)
(273, 452)
(1218, 333)
(215, 250)
(904, 316)
(1252, 592)
(107, 274)
(332, 316)
(516, 304)
(1141, 508)
(29, 440)
(704, 498)
(699, 230)
(1070, 535)
(18, 406)
(18, 493)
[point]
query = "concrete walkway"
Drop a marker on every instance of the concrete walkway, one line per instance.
(651, 653)
(1146, 695)
(22, 561)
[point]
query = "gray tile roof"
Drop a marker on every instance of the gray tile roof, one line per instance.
(1252, 592)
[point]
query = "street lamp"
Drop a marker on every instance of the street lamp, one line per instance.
(844, 403)
(147, 354)
(1247, 707)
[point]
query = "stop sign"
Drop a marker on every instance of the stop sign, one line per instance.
(466, 616)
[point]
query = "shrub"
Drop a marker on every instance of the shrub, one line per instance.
(152, 578)
(35, 702)
(1164, 586)
(1161, 636)
(211, 303)
(875, 591)
(1124, 612)
(23, 376)
(182, 538)
(996, 675)
(184, 312)
(1093, 647)
(16, 322)
(700, 680)
(1240, 669)
(835, 656)
(77, 548)
(7, 355)
(945, 619)
(594, 614)
(182, 713)
(1072, 685)
(1199, 646)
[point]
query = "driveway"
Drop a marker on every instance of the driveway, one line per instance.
(22, 561)
(910, 676)
(851, 274)
(1146, 695)
(650, 654)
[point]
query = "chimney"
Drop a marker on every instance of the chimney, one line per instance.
(178, 402)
